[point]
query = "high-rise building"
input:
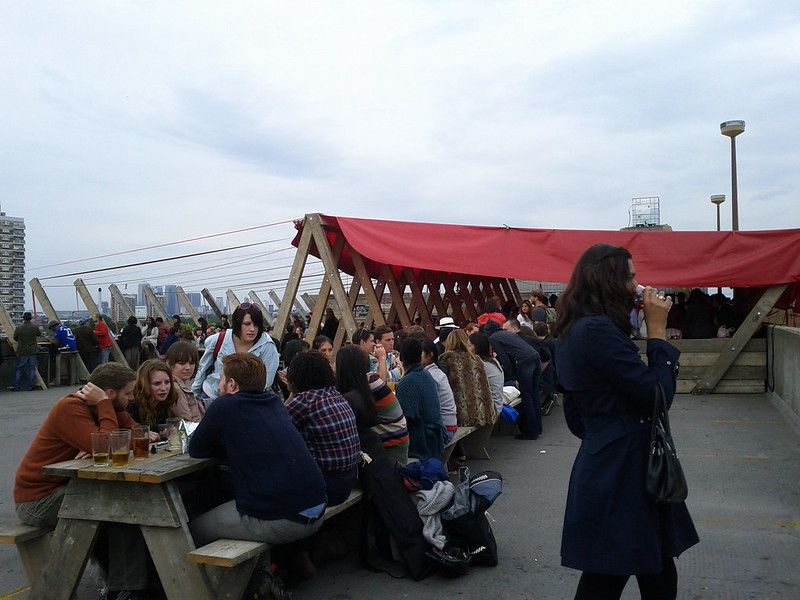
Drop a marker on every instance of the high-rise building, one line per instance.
(171, 297)
(120, 314)
(141, 299)
(196, 298)
(12, 265)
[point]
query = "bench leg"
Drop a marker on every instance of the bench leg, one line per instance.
(231, 582)
(34, 554)
(66, 558)
(476, 444)
(181, 578)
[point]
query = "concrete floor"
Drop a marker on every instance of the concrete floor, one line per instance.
(742, 460)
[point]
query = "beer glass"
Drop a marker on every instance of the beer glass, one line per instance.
(173, 435)
(140, 437)
(120, 447)
(101, 448)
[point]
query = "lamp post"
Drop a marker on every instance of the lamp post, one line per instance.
(718, 199)
(732, 129)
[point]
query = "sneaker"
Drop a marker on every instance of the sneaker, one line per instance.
(11, 388)
(125, 595)
(547, 406)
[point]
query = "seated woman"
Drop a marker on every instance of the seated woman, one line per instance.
(447, 403)
(325, 420)
(479, 345)
(325, 346)
(417, 394)
(154, 395)
(182, 362)
(385, 417)
(247, 335)
(468, 381)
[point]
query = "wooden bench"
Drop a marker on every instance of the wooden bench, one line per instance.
(235, 560)
(31, 544)
(71, 359)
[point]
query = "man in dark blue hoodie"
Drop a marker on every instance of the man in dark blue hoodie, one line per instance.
(510, 348)
(280, 491)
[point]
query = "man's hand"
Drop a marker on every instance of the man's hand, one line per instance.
(91, 394)
(379, 352)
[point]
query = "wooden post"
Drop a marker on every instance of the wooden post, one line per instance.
(477, 295)
(434, 296)
(507, 292)
(50, 312)
(184, 299)
(454, 301)
(422, 307)
(352, 298)
(380, 288)
(212, 304)
(331, 272)
(464, 294)
(117, 295)
(257, 301)
(300, 258)
(233, 301)
(300, 308)
(277, 301)
(398, 297)
(324, 295)
(156, 305)
(308, 300)
(515, 291)
(91, 306)
(8, 328)
(376, 314)
(736, 344)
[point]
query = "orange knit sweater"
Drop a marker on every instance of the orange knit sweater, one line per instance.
(65, 432)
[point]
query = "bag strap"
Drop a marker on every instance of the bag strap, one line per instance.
(221, 340)
(660, 412)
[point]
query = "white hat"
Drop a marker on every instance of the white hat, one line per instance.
(447, 323)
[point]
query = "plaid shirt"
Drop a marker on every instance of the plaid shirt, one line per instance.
(328, 425)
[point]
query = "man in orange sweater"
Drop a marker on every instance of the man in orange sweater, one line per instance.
(67, 433)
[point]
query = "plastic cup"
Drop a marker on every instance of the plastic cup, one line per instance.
(120, 447)
(101, 448)
(140, 438)
(173, 435)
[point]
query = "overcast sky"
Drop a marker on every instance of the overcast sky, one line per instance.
(130, 124)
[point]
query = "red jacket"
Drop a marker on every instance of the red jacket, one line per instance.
(103, 335)
(499, 318)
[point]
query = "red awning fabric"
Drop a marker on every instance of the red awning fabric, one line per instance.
(662, 258)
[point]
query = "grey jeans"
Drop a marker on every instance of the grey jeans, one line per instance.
(224, 521)
(127, 561)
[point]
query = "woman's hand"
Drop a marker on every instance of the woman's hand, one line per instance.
(656, 308)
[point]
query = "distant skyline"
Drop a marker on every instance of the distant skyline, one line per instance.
(130, 124)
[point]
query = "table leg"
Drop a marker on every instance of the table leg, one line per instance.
(69, 550)
(180, 578)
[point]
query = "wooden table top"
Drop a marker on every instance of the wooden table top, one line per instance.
(157, 468)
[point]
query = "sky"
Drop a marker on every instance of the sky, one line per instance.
(130, 124)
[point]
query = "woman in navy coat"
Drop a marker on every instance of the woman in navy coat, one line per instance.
(612, 529)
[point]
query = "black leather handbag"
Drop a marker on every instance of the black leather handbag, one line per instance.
(664, 480)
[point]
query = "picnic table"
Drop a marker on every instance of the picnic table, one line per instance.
(143, 493)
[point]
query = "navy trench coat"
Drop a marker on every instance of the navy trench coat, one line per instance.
(610, 525)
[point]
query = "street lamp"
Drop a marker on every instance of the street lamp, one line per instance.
(732, 129)
(718, 199)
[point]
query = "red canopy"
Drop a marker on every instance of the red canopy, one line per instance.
(662, 258)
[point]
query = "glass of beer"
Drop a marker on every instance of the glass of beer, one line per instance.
(120, 447)
(101, 448)
(140, 437)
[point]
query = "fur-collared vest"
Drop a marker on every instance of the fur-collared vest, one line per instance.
(474, 406)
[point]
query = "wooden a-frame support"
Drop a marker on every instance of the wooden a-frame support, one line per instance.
(91, 306)
(212, 303)
(8, 328)
(183, 299)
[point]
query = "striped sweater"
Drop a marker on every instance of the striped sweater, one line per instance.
(391, 427)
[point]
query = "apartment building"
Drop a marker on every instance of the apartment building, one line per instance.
(12, 265)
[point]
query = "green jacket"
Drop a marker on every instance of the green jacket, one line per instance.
(25, 335)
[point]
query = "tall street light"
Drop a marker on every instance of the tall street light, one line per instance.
(732, 129)
(718, 199)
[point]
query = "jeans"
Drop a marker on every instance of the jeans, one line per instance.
(339, 485)
(531, 413)
(26, 372)
(103, 356)
(225, 521)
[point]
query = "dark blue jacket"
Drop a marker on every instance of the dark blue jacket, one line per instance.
(610, 525)
(274, 473)
(419, 398)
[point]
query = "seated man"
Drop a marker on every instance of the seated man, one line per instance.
(418, 395)
(325, 420)
(280, 492)
(66, 432)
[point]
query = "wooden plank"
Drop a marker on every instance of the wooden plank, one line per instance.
(365, 282)
(477, 295)
(323, 297)
(398, 297)
(515, 291)
(155, 305)
(183, 300)
(8, 328)
(118, 502)
(332, 273)
(33, 553)
(301, 310)
(470, 312)
(352, 298)
(733, 372)
(453, 302)
(254, 298)
(736, 344)
(699, 359)
(212, 303)
(120, 300)
(233, 300)
(227, 553)
(296, 272)
(434, 296)
(380, 290)
(16, 532)
(725, 386)
(231, 583)
(715, 345)
(353, 499)
(308, 300)
(67, 555)
(416, 293)
(180, 578)
(91, 306)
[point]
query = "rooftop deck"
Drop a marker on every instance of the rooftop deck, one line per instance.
(741, 457)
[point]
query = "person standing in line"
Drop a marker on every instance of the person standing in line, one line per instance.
(86, 342)
(104, 341)
(612, 529)
(26, 335)
(130, 342)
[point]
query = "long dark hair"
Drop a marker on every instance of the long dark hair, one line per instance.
(352, 365)
(483, 348)
(598, 286)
